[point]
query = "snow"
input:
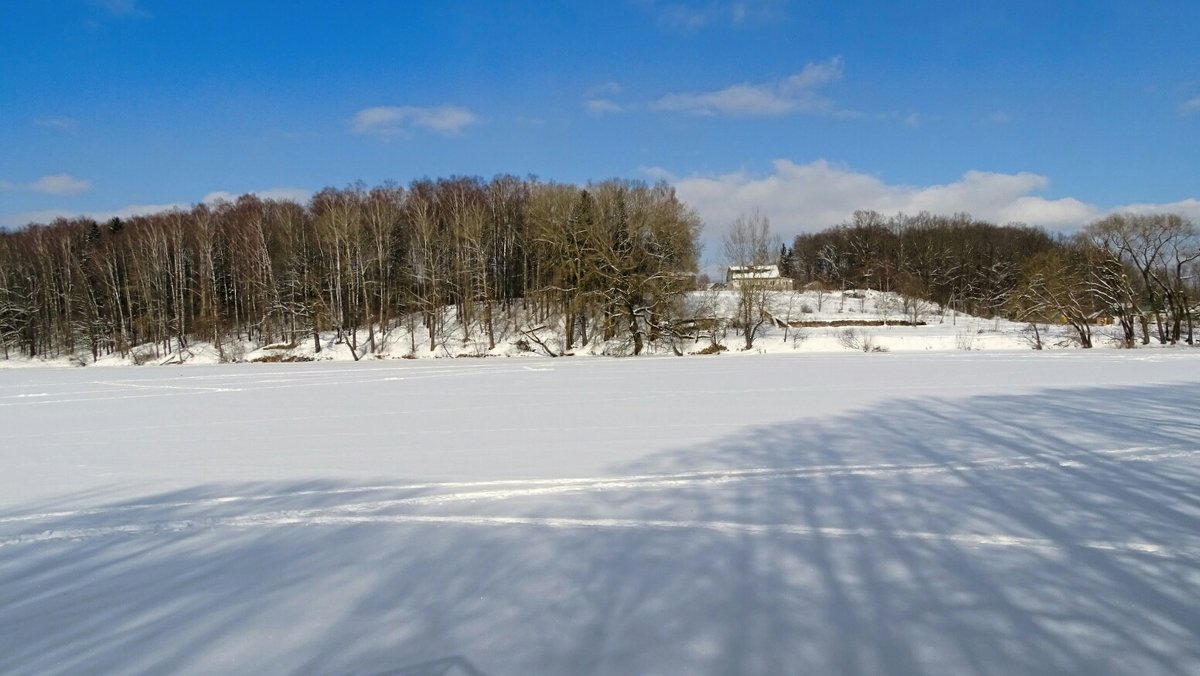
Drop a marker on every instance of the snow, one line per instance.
(874, 316)
(914, 512)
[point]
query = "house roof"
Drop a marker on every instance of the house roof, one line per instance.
(753, 272)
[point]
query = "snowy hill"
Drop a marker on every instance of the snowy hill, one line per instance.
(794, 322)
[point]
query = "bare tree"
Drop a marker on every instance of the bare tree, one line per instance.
(749, 246)
(645, 255)
(1054, 288)
(492, 255)
(1159, 249)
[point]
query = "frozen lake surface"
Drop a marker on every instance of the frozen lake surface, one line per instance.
(965, 513)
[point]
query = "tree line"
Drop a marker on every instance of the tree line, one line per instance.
(1137, 271)
(606, 260)
(598, 262)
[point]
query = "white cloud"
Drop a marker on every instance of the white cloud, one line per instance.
(299, 195)
(603, 90)
(745, 11)
(121, 8)
(794, 94)
(691, 16)
(57, 122)
(811, 197)
(1191, 106)
(602, 107)
(815, 75)
(682, 17)
(998, 118)
(392, 121)
(55, 184)
(736, 100)
(60, 184)
(1188, 208)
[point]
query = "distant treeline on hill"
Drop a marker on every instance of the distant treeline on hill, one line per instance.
(1134, 271)
(955, 261)
(609, 258)
(600, 262)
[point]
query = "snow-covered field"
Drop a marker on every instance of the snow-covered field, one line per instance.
(849, 513)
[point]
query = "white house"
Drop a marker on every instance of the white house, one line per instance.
(762, 276)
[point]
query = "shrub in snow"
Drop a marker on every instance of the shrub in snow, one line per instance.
(855, 340)
(964, 341)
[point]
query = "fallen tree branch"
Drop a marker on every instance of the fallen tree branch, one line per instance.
(531, 334)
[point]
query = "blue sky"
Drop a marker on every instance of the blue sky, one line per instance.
(1052, 113)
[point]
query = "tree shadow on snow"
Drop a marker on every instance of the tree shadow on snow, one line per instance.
(1047, 533)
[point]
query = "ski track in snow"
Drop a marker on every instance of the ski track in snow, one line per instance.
(366, 512)
(158, 387)
(120, 388)
(316, 518)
